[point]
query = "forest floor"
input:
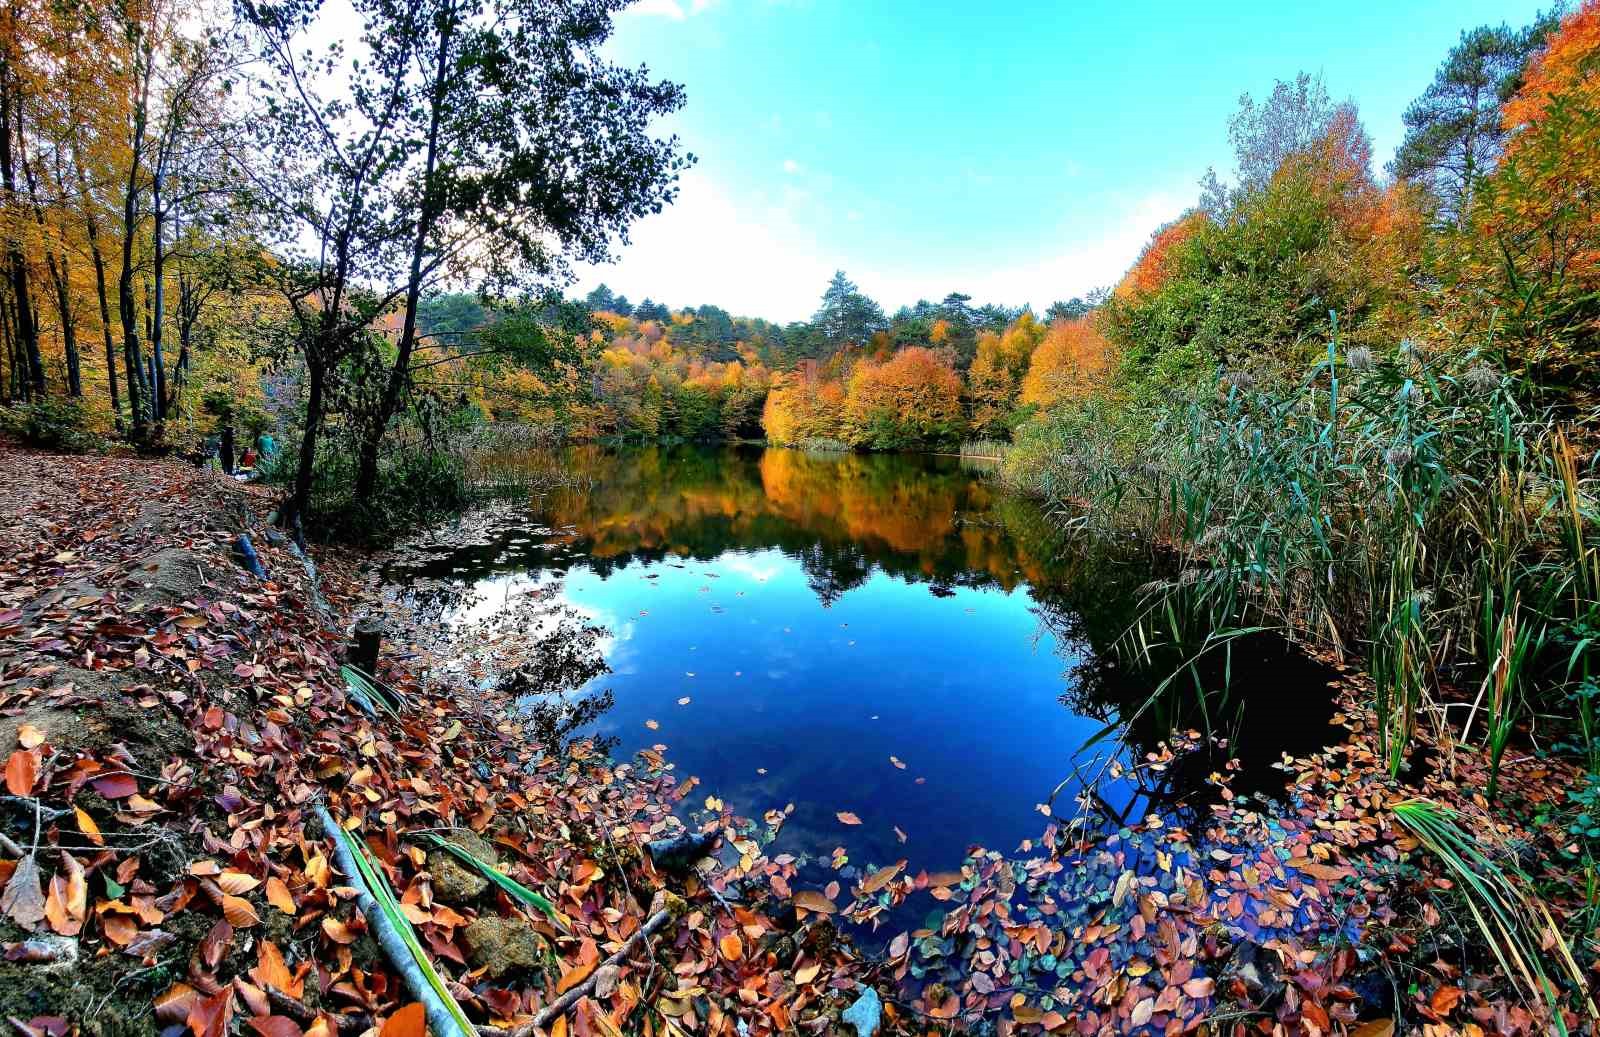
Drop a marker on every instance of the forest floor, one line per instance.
(169, 724)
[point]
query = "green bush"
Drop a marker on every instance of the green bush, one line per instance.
(53, 423)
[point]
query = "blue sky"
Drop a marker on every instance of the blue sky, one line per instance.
(1019, 152)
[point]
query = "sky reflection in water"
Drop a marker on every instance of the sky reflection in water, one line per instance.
(826, 616)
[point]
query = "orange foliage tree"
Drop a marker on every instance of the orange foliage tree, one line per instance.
(995, 379)
(1068, 363)
(913, 399)
(1531, 259)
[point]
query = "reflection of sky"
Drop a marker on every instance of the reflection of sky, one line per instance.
(962, 689)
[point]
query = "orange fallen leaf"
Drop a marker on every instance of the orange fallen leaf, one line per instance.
(22, 771)
(848, 818)
(29, 737)
(812, 900)
(410, 1021)
(730, 945)
(278, 896)
(87, 826)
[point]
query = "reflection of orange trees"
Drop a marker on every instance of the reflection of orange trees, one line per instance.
(919, 521)
(1068, 363)
(860, 498)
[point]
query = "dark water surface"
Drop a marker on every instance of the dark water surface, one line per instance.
(891, 636)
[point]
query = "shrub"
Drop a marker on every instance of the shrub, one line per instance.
(54, 423)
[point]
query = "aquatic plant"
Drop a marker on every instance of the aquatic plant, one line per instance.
(1516, 925)
(1407, 510)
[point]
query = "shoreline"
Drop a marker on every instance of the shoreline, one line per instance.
(186, 718)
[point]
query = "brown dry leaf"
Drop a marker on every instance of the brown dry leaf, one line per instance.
(337, 931)
(1445, 999)
(210, 1017)
(29, 737)
(812, 900)
(805, 975)
(410, 1021)
(23, 898)
(1374, 1028)
(275, 1026)
(272, 971)
(237, 882)
(22, 771)
(1200, 987)
(731, 946)
(239, 912)
(881, 878)
(174, 1005)
(848, 818)
(278, 896)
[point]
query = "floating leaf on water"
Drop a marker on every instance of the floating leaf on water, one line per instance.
(846, 817)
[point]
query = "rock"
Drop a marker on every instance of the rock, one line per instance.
(1376, 992)
(677, 854)
(1261, 973)
(454, 880)
(865, 1013)
(501, 945)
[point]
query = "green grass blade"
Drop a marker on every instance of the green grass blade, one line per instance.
(513, 888)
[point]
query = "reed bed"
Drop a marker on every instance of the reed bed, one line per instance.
(1409, 511)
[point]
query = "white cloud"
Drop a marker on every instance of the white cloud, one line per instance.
(790, 166)
(764, 259)
(670, 9)
(756, 260)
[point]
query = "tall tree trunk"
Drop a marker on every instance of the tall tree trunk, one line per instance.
(69, 334)
(294, 509)
(127, 308)
(158, 387)
(427, 216)
(105, 315)
(27, 328)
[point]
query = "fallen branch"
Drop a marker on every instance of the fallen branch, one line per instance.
(441, 1020)
(560, 1006)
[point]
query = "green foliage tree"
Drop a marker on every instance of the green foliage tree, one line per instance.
(846, 317)
(1454, 134)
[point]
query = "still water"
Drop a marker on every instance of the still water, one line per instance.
(891, 637)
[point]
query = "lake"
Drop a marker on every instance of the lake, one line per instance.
(893, 638)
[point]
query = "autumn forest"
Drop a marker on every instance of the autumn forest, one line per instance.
(399, 635)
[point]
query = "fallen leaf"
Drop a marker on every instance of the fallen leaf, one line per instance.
(29, 737)
(23, 898)
(848, 818)
(278, 895)
(22, 771)
(731, 946)
(410, 1021)
(812, 900)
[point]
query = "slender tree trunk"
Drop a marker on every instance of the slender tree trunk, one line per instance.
(69, 334)
(8, 371)
(126, 306)
(27, 328)
(158, 386)
(105, 313)
(294, 509)
(427, 216)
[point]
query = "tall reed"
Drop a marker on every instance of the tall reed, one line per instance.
(1408, 510)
